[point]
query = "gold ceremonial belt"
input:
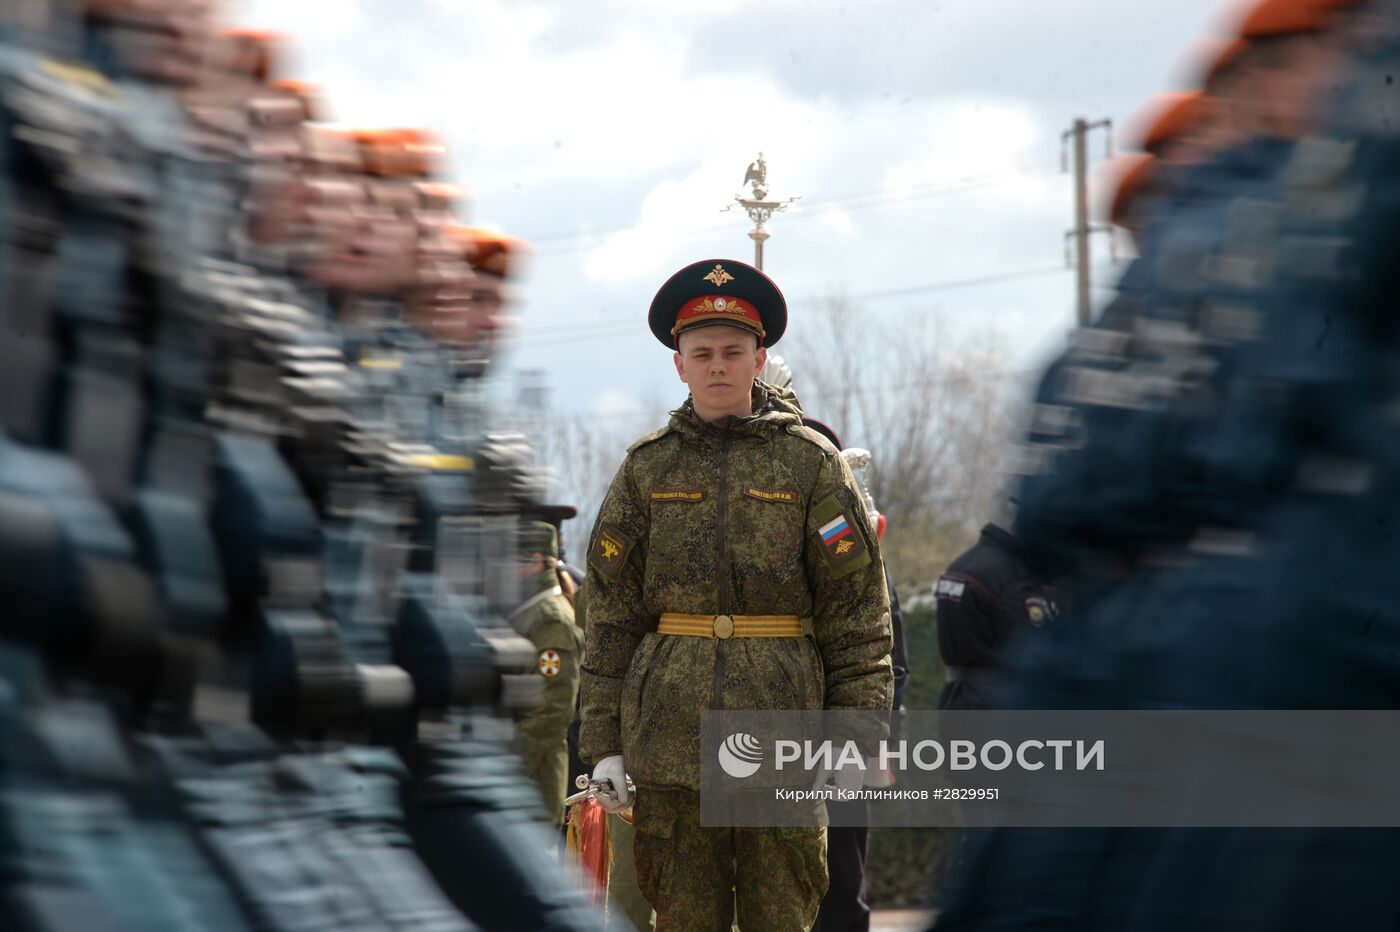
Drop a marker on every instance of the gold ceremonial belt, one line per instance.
(731, 626)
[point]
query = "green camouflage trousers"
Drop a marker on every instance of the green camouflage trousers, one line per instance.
(628, 910)
(696, 878)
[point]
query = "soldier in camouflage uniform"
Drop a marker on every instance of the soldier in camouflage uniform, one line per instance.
(732, 567)
(547, 620)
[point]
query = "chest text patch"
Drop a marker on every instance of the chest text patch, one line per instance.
(678, 495)
(772, 496)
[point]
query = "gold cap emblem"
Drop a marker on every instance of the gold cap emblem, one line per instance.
(719, 276)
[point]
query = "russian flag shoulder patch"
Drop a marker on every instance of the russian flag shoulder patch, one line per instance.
(841, 540)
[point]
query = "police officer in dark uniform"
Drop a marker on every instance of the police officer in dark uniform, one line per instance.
(985, 599)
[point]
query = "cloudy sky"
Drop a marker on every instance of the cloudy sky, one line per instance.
(923, 137)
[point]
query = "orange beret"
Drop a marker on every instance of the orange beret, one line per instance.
(311, 96)
(1275, 18)
(1176, 113)
(438, 195)
(489, 251)
(1134, 175)
(1225, 58)
(333, 146)
(399, 153)
(264, 46)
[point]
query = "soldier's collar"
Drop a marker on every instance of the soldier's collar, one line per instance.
(772, 411)
(1004, 538)
(539, 582)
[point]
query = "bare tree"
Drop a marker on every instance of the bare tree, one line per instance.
(936, 414)
(583, 453)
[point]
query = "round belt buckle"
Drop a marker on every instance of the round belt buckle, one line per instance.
(724, 626)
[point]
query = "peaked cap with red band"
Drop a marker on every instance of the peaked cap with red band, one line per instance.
(718, 292)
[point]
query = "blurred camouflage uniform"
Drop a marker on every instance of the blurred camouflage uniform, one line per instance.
(626, 904)
(712, 518)
(209, 511)
(547, 620)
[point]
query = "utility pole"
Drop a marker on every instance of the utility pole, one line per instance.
(757, 206)
(1078, 135)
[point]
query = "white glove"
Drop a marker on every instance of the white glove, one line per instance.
(610, 768)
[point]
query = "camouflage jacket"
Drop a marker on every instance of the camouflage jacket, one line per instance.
(727, 518)
(547, 620)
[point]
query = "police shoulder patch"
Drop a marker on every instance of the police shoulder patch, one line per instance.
(609, 551)
(840, 538)
(950, 588)
(1039, 610)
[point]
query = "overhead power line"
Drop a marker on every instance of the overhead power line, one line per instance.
(614, 328)
(563, 243)
(889, 388)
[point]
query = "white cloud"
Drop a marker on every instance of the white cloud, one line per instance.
(612, 403)
(564, 118)
(969, 139)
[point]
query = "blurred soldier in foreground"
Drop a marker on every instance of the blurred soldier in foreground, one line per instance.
(1231, 545)
(496, 260)
(721, 533)
(547, 620)
(253, 678)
